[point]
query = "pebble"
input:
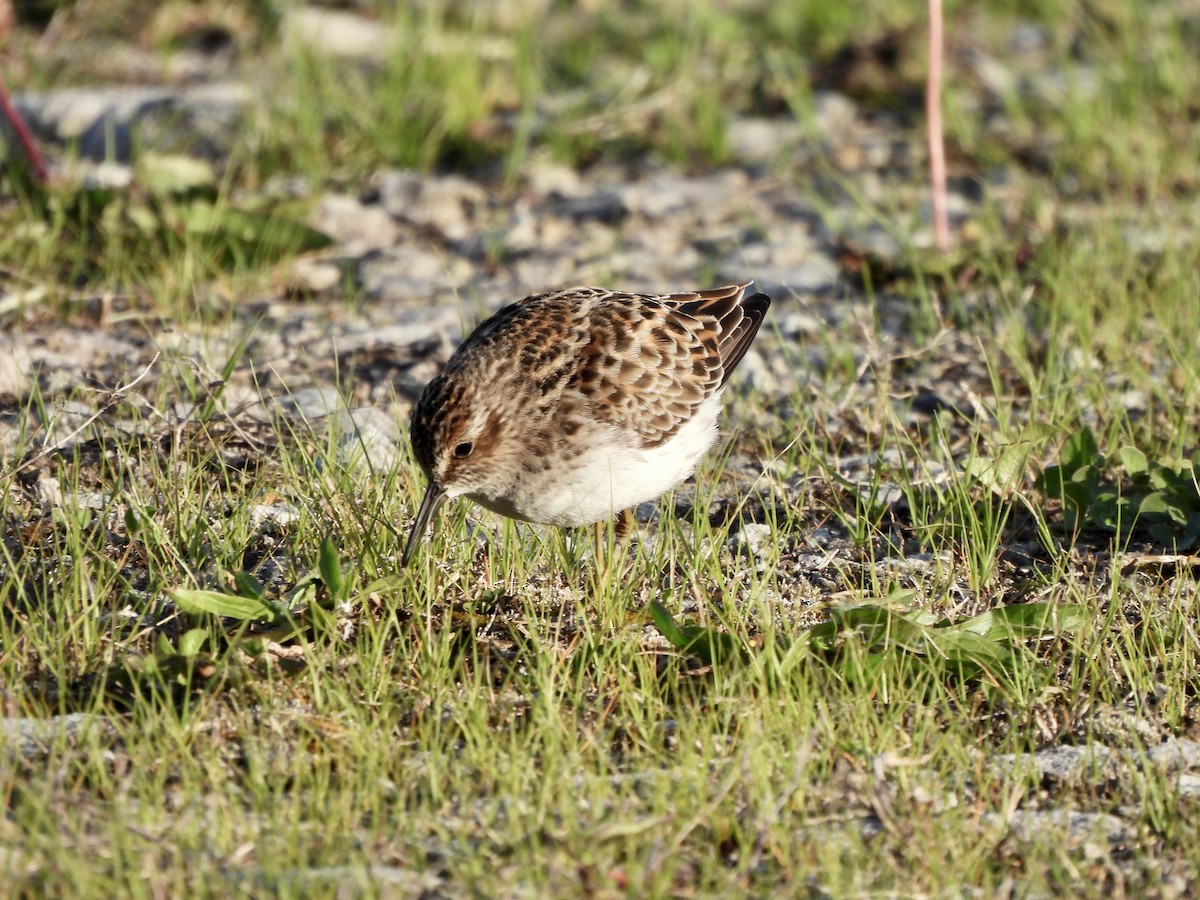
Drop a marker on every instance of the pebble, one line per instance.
(280, 515)
(446, 204)
(31, 738)
(333, 32)
(367, 436)
(754, 539)
(1074, 826)
(357, 226)
(99, 122)
(1062, 763)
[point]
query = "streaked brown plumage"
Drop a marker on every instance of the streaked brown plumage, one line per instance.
(569, 406)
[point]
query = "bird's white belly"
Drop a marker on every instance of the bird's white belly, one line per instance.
(612, 475)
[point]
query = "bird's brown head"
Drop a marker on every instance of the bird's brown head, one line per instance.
(459, 438)
(457, 431)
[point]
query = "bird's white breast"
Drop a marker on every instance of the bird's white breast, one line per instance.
(613, 473)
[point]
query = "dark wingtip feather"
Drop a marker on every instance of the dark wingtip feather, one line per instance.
(734, 346)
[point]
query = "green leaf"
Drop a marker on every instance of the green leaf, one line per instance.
(249, 586)
(230, 605)
(864, 669)
(1051, 482)
(1159, 504)
(881, 628)
(1160, 477)
(710, 646)
(192, 641)
(1004, 472)
(1190, 533)
(823, 636)
(1025, 621)
(1076, 498)
(330, 568)
(1134, 461)
(1176, 538)
(1080, 450)
(162, 647)
(1037, 433)
(304, 591)
(968, 647)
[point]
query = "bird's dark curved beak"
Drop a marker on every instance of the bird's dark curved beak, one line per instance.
(434, 495)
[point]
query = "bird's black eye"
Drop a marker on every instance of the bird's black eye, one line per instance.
(463, 450)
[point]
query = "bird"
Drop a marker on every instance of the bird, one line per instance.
(570, 406)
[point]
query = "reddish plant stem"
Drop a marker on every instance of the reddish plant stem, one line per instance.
(933, 119)
(24, 135)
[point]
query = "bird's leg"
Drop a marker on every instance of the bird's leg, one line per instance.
(626, 522)
(622, 527)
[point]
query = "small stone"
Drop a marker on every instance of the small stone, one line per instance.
(280, 515)
(32, 738)
(446, 204)
(603, 206)
(546, 178)
(312, 402)
(1189, 786)
(316, 276)
(15, 367)
(833, 113)
(759, 141)
(411, 270)
(1031, 825)
(359, 227)
(333, 33)
(49, 491)
(1175, 754)
(754, 539)
(367, 436)
(1060, 763)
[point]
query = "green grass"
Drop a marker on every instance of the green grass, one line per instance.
(503, 717)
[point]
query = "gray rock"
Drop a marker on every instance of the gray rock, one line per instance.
(1032, 825)
(1061, 763)
(754, 539)
(603, 205)
(1175, 754)
(668, 194)
(1028, 37)
(759, 141)
(280, 515)
(446, 204)
(409, 330)
(877, 241)
(367, 437)
(833, 113)
(358, 227)
(997, 77)
(796, 324)
(34, 738)
(333, 32)
(411, 270)
(100, 122)
(318, 276)
(314, 402)
(16, 363)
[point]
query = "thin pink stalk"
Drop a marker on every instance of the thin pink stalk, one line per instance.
(933, 120)
(24, 135)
